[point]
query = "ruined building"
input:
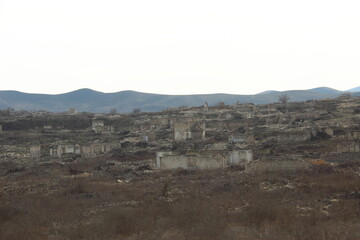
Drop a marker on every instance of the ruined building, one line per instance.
(202, 159)
(196, 137)
(98, 126)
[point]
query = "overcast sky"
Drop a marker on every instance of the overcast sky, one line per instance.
(179, 47)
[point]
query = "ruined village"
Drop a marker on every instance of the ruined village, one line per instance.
(286, 170)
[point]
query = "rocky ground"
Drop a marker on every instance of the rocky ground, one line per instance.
(303, 181)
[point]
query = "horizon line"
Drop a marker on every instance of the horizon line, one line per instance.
(71, 91)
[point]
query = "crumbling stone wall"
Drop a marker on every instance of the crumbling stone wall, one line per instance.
(65, 149)
(240, 157)
(202, 159)
(98, 126)
(94, 149)
(189, 130)
(35, 151)
(182, 131)
(348, 146)
(169, 160)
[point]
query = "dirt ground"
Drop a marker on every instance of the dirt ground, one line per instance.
(101, 198)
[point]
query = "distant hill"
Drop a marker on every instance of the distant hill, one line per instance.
(325, 90)
(268, 92)
(357, 89)
(125, 101)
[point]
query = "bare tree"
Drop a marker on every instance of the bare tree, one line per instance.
(136, 110)
(345, 95)
(113, 111)
(284, 98)
(220, 104)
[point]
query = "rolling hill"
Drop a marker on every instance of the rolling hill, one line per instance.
(357, 89)
(125, 101)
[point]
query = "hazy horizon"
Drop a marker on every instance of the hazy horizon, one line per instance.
(84, 88)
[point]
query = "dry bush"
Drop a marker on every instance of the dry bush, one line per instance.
(349, 164)
(78, 187)
(196, 219)
(330, 182)
(75, 171)
(84, 165)
(123, 222)
(6, 213)
(321, 168)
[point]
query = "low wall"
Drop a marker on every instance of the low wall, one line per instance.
(202, 160)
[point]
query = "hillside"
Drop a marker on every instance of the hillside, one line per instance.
(357, 89)
(243, 171)
(125, 101)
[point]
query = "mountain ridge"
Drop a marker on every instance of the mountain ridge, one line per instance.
(89, 100)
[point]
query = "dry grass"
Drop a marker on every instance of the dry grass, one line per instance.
(320, 203)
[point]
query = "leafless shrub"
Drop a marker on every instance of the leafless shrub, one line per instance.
(113, 111)
(78, 187)
(345, 95)
(284, 98)
(220, 104)
(75, 171)
(136, 110)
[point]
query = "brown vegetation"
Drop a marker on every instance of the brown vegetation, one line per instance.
(80, 202)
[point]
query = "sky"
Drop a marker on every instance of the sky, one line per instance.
(179, 47)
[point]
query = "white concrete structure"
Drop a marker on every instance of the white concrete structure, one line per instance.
(202, 160)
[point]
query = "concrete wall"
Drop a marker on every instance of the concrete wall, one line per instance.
(35, 151)
(202, 160)
(98, 126)
(98, 123)
(207, 161)
(169, 161)
(240, 157)
(348, 146)
(182, 135)
(65, 149)
(314, 132)
(191, 161)
(103, 129)
(353, 135)
(148, 137)
(95, 149)
(160, 155)
(165, 123)
(266, 109)
(182, 131)
(84, 150)
(187, 130)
